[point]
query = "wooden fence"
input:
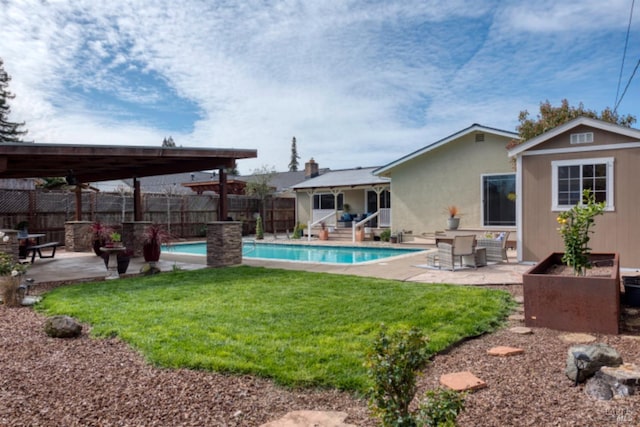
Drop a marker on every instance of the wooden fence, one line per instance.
(185, 216)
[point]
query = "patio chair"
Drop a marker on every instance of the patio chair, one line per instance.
(462, 246)
(496, 248)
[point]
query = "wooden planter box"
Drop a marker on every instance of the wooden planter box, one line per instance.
(573, 303)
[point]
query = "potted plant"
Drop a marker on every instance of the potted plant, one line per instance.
(323, 234)
(99, 235)
(453, 221)
(115, 239)
(577, 290)
(385, 235)
(154, 236)
(360, 234)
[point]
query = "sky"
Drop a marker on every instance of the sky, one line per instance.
(358, 83)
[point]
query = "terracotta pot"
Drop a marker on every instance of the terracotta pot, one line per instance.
(323, 234)
(573, 303)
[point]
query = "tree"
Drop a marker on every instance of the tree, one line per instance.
(9, 131)
(168, 142)
(293, 164)
(258, 185)
(550, 117)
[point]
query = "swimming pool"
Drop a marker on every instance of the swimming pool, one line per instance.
(303, 253)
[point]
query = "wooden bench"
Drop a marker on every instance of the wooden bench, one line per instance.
(36, 249)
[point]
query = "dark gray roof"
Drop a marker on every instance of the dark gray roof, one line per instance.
(344, 178)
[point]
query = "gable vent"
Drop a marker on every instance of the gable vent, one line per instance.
(479, 137)
(581, 138)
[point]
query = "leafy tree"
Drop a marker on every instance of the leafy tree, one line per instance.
(258, 185)
(168, 142)
(9, 131)
(550, 117)
(293, 164)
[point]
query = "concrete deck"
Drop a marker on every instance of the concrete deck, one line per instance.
(69, 267)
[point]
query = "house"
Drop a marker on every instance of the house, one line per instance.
(328, 196)
(469, 169)
(554, 168)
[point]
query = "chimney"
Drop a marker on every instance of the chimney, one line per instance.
(311, 169)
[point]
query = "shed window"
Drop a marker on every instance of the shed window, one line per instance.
(571, 177)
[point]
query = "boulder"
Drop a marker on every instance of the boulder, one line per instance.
(600, 355)
(62, 327)
(598, 388)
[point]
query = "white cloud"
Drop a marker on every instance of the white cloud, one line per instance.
(359, 83)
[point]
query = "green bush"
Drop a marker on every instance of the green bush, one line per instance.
(385, 235)
(393, 363)
(259, 230)
(440, 408)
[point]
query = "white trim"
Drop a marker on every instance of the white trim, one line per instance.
(574, 149)
(519, 208)
(482, 175)
(598, 124)
(555, 164)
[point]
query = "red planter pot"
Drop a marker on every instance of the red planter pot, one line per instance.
(573, 303)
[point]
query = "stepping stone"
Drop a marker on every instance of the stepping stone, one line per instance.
(519, 299)
(462, 381)
(521, 330)
(518, 317)
(577, 338)
(519, 309)
(311, 419)
(502, 351)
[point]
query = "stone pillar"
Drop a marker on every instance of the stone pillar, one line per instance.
(133, 235)
(9, 243)
(224, 243)
(77, 237)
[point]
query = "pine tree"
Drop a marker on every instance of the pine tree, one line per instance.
(9, 131)
(168, 142)
(293, 164)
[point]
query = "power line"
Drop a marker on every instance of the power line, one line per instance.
(624, 54)
(627, 86)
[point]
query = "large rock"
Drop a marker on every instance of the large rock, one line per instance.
(600, 355)
(62, 327)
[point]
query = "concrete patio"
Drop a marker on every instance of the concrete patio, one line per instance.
(70, 267)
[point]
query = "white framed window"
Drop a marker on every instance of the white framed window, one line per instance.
(571, 177)
(582, 138)
(327, 201)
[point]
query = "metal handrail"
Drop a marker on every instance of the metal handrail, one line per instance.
(355, 225)
(311, 224)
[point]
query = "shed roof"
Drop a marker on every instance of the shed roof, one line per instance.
(587, 121)
(89, 163)
(343, 178)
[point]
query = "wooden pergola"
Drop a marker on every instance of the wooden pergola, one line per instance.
(92, 163)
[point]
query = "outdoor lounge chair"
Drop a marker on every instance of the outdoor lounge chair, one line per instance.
(462, 246)
(496, 248)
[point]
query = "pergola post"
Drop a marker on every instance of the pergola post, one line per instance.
(223, 205)
(138, 215)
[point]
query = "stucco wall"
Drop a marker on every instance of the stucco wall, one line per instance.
(423, 187)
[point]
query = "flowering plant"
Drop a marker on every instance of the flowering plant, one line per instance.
(8, 265)
(575, 227)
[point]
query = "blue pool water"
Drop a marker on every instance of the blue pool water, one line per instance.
(303, 253)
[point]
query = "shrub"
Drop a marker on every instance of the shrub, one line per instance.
(440, 408)
(259, 230)
(385, 235)
(574, 228)
(393, 363)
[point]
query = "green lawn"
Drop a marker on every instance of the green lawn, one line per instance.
(299, 328)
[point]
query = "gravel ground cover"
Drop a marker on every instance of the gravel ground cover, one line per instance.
(89, 382)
